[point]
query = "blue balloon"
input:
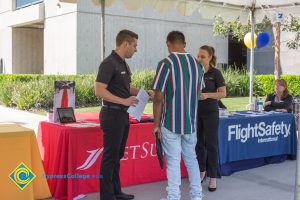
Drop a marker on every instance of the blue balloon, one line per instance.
(262, 40)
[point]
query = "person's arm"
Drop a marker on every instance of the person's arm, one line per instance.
(151, 94)
(157, 109)
(281, 110)
(221, 93)
(285, 104)
(158, 85)
(221, 88)
(133, 91)
(105, 74)
(268, 101)
(269, 97)
(102, 92)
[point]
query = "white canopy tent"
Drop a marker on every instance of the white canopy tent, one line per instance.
(229, 10)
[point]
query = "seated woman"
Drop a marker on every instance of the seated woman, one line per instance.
(280, 100)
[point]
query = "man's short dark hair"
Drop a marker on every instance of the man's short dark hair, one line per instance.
(176, 36)
(125, 35)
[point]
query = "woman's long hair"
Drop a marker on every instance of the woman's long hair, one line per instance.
(283, 83)
(211, 52)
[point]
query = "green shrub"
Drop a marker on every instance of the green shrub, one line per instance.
(33, 94)
(266, 83)
(6, 94)
(18, 77)
(237, 83)
(85, 91)
(143, 79)
(293, 82)
(37, 91)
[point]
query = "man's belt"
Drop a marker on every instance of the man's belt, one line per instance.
(115, 107)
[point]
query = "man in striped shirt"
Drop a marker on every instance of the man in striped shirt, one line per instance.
(177, 85)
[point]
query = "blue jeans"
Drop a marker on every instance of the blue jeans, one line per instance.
(173, 145)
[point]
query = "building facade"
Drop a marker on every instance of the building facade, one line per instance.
(51, 37)
(54, 37)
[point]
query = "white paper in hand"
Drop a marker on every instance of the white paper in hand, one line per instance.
(137, 110)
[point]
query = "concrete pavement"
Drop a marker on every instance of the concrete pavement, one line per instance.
(14, 116)
(270, 182)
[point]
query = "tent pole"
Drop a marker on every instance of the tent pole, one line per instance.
(296, 111)
(252, 20)
(297, 183)
(102, 30)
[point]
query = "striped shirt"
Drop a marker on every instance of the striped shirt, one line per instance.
(180, 77)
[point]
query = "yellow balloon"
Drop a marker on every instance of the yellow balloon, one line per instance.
(247, 40)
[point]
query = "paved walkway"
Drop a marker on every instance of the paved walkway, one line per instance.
(14, 116)
(270, 182)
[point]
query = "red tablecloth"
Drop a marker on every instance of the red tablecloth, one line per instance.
(78, 151)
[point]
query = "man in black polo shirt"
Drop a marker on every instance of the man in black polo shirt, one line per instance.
(113, 86)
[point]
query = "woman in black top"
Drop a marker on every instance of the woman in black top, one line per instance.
(280, 100)
(208, 116)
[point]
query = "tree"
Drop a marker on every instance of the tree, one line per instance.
(237, 30)
(277, 66)
(293, 25)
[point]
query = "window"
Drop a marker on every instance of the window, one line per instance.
(24, 3)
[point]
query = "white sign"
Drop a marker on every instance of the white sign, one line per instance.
(279, 17)
(260, 131)
(64, 96)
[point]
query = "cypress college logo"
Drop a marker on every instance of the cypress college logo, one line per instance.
(22, 176)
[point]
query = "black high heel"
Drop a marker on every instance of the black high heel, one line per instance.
(212, 189)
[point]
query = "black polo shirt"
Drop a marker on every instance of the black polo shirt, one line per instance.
(115, 72)
(285, 103)
(213, 80)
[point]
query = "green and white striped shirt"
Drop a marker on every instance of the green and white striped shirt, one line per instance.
(180, 77)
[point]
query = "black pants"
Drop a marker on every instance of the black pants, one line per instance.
(207, 143)
(115, 125)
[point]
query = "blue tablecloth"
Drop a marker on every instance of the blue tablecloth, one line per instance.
(250, 139)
